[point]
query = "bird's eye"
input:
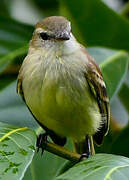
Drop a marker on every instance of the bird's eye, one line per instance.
(44, 36)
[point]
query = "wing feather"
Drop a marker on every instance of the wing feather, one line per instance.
(98, 89)
(19, 87)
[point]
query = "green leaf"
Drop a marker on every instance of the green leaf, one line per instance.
(100, 53)
(124, 96)
(17, 147)
(11, 105)
(95, 24)
(6, 80)
(43, 167)
(14, 39)
(99, 167)
(114, 70)
(46, 166)
(120, 145)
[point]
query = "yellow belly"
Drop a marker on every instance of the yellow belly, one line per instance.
(72, 114)
(60, 99)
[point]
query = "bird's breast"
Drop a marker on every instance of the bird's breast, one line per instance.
(57, 93)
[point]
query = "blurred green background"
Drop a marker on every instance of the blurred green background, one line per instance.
(100, 25)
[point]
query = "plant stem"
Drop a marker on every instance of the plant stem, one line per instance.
(61, 151)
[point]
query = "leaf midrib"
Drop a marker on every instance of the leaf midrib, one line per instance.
(11, 132)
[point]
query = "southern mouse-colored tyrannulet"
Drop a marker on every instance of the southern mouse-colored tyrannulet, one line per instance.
(63, 87)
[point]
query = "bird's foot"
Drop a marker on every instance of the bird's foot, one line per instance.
(41, 141)
(84, 156)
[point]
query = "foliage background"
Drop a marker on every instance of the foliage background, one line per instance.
(102, 26)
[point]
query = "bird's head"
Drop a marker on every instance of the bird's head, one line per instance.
(52, 29)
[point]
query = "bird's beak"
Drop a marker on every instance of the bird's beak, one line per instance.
(63, 36)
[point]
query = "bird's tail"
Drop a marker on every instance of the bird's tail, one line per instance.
(85, 146)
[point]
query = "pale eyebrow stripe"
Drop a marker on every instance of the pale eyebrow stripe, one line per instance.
(39, 30)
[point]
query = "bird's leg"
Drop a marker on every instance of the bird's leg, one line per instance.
(41, 141)
(88, 146)
(88, 152)
(55, 149)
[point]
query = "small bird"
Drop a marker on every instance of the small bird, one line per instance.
(63, 87)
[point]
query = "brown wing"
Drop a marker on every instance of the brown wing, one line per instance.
(98, 89)
(19, 87)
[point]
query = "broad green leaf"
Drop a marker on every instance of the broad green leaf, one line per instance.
(124, 96)
(17, 147)
(114, 70)
(46, 166)
(43, 167)
(100, 54)
(120, 145)
(14, 39)
(13, 110)
(95, 24)
(6, 80)
(99, 167)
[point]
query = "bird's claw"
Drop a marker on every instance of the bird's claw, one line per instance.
(84, 156)
(41, 141)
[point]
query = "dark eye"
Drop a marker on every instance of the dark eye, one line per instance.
(44, 36)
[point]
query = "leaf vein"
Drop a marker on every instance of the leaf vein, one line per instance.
(95, 170)
(112, 170)
(25, 137)
(11, 132)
